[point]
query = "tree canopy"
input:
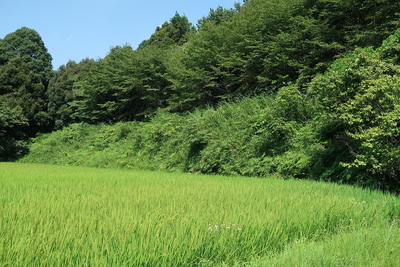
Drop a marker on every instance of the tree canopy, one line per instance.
(25, 70)
(27, 44)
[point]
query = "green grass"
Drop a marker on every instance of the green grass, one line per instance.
(77, 216)
(376, 246)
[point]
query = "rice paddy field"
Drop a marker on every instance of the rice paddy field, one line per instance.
(79, 216)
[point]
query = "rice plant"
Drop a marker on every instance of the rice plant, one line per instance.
(79, 216)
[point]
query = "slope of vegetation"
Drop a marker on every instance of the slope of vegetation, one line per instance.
(305, 89)
(343, 128)
(74, 216)
(239, 132)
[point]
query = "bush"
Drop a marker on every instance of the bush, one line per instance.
(359, 101)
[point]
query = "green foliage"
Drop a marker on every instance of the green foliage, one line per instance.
(359, 23)
(25, 70)
(27, 44)
(63, 91)
(373, 116)
(218, 16)
(250, 137)
(265, 45)
(27, 90)
(13, 124)
(174, 32)
(360, 95)
(257, 47)
(126, 85)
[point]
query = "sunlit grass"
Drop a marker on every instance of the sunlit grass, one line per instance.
(77, 216)
(374, 246)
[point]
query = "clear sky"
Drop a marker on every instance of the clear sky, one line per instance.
(76, 29)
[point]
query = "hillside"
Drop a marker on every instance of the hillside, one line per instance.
(343, 128)
(304, 89)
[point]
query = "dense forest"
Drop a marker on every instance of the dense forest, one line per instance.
(300, 88)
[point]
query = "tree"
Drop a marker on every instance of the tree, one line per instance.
(25, 70)
(268, 44)
(233, 55)
(29, 46)
(125, 85)
(13, 125)
(373, 116)
(359, 103)
(28, 92)
(359, 23)
(218, 16)
(170, 33)
(62, 91)
(25, 67)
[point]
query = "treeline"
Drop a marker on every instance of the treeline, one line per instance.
(327, 85)
(251, 49)
(344, 127)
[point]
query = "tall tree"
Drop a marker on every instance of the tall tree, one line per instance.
(125, 85)
(28, 45)
(170, 33)
(25, 67)
(218, 16)
(25, 70)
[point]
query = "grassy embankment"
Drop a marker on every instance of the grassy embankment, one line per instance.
(251, 137)
(58, 216)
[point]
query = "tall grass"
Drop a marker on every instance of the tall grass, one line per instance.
(76, 216)
(376, 246)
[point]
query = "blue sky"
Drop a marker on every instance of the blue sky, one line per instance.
(76, 29)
